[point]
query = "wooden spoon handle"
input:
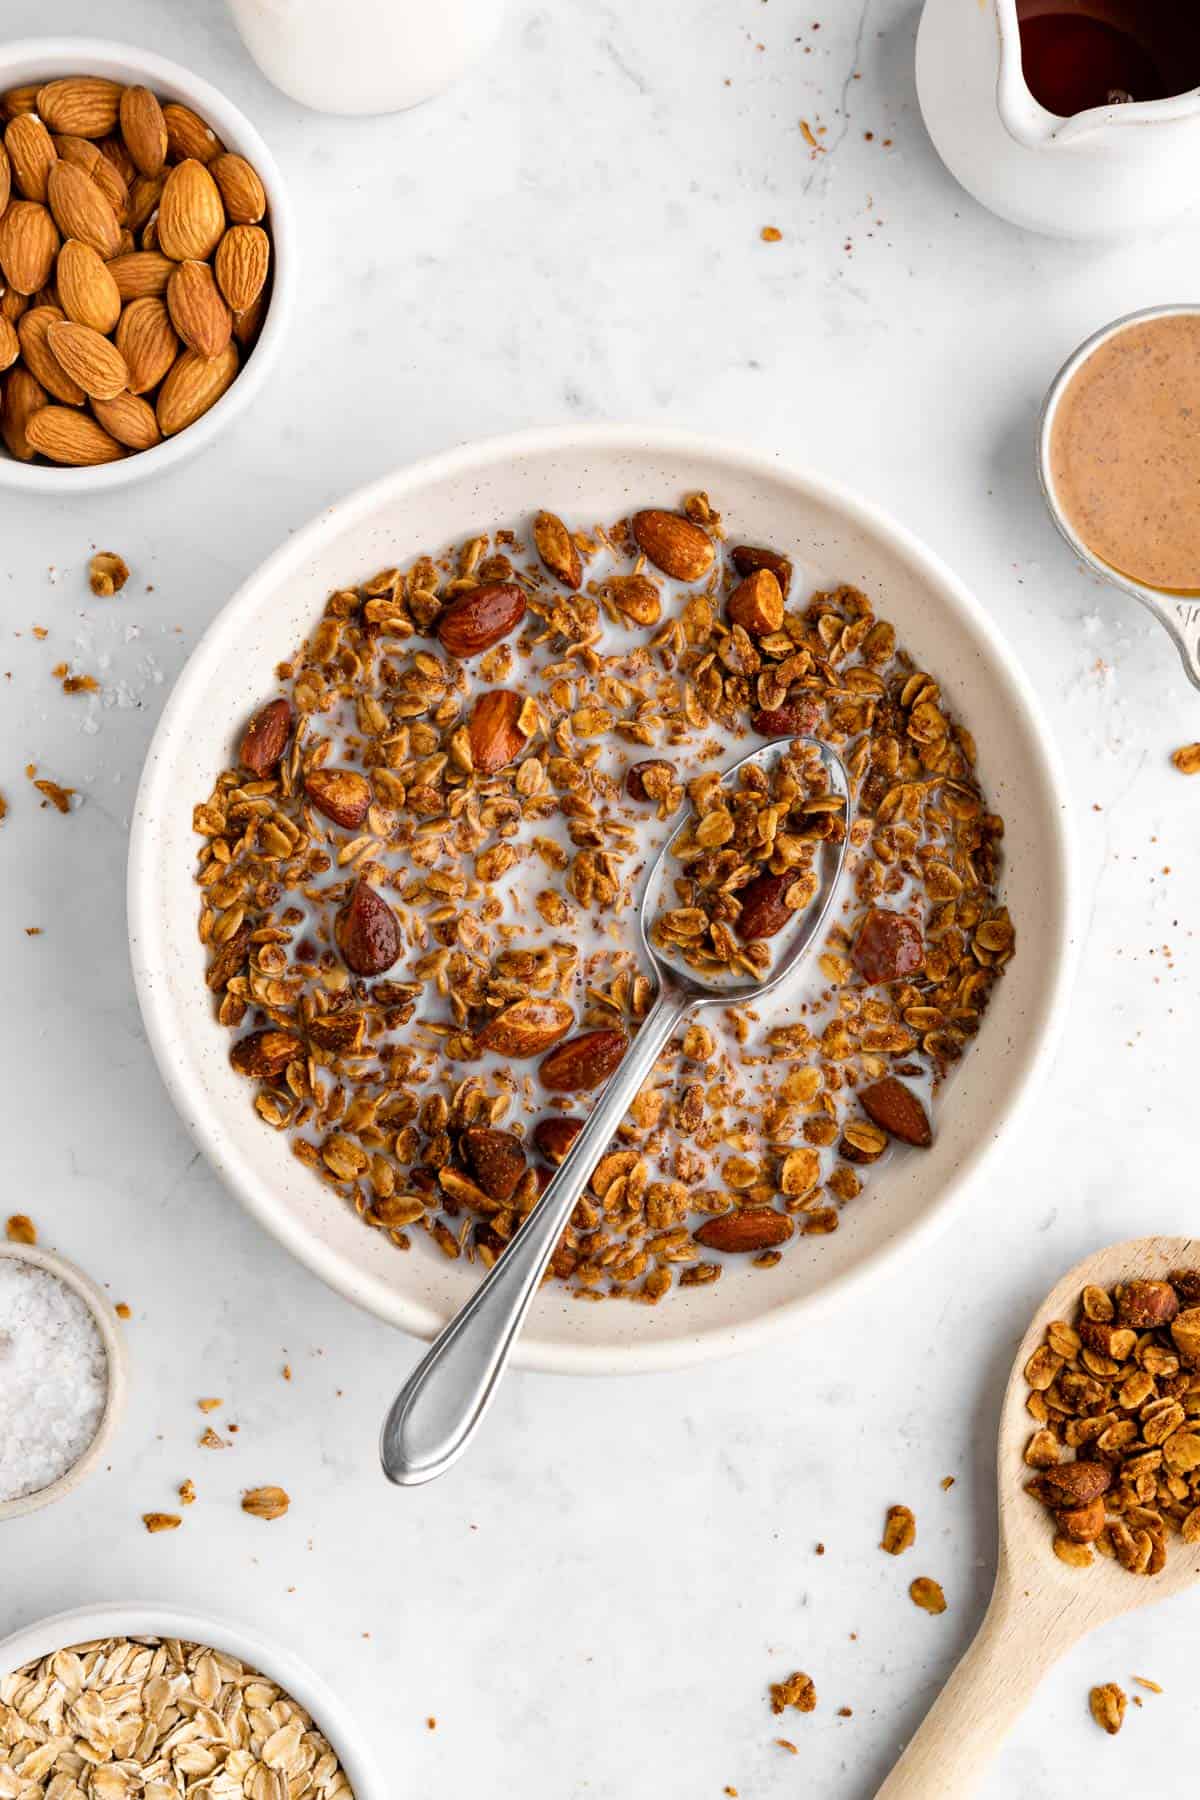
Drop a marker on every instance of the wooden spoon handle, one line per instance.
(1017, 1642)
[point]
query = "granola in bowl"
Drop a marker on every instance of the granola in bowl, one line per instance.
(417, 879)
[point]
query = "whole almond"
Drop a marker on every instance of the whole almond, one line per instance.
(66, 435)
(88, 358)
(494, 732)
(144, 196)
(141, 273)
(81, 210)
(673, 544)
(343, 795)
(12, 304)
(764, 907)
(28, 245)
(497, 1161)
(367, 932)
(1071, 1484)
(86, 157)
(242, 260)
(30, 151)
(114, 150)
(21, 398)
(243, 193)
(84, 105)
(582, 1063)
(87, 292)
(143, 129)
(890, 1104)
(188, 135)
(746, 558)
(554, 1137)
(888, 946)
(265, 738)
(795, 718)
(1145, 1304)
(192, 386)
(198, 313)
(146, 339)
(756, 604)
(191, 217)
(10, 344)
(750, 1228)
(557, 549)
(248, 324)
(33, 330)
(526, 1028)
(17, 100)
(129, 419)
(5, 179)
(478, 619)
(262, 1055)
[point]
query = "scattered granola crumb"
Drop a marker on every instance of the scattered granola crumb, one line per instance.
(59, 797)
(207, 1406)
(899, 1530)
(927, 1594)
(770, 234)
(212, 1441)
(1187, 759)
(845, 1712)
(947, 1483)
(107, 573)
(21, 1229)
(797, 1691)
(40, 633)
(287, 1371)
(33, 931)
(124, 1310)
(187, 1492)
(806, 131)
(1108, 1707)
(1143, 1681)
(3, 808)
(731, 1791)
(431, 1722)
(787, 1744)
(820, 1549)
(80, 684)
(266, 1502)
(155, 1521)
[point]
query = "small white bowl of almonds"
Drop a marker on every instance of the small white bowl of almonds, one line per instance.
(145, 264)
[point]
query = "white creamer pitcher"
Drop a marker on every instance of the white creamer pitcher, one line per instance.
(1106, 172)
(365, 56)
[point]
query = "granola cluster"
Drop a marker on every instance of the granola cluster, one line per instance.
(1121, 1389)
(416, 880)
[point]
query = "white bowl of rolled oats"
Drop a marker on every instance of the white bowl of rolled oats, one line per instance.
(161, 1697)
(406, 786)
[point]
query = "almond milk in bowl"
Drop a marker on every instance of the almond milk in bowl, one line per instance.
(837, 546)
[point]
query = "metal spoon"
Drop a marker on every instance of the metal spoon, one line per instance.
(442, 1404)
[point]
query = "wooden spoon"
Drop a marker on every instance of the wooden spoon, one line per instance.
(1040, 1606)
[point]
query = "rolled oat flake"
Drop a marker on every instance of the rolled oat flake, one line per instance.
(53, 1378)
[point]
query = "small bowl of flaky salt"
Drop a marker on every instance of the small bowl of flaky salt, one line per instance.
(62, 1377)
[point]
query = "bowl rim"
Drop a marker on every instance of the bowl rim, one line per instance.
(371, 1292)
(112, 1337)
(54, 57)
(151, 1618)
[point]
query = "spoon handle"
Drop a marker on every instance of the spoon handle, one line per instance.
(442, 1404)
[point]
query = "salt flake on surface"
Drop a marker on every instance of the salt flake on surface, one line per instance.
(53, 1378)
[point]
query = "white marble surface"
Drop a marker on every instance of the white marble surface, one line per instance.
(593, 1605)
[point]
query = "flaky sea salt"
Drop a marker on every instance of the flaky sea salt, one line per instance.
(53, 1378)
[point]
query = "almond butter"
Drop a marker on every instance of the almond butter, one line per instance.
(28, 245)
(526, 1027)
(188, 135)
(10, 344)
(87, 291)
(494, 732)
(756, 604)
(80, 210)
(141, 274)
(68, 436)
(129, 419)
(198, 312)
(33, 330)
(147, 341)
(242, 192)
(557, 549)
(582, 1063)
(750, 1228)
(673, 544)
(30, 151)
(476, 620)
(193, 385)
(265, 738)
(143, 129)
(241, 263)
(89, 359)
(367, 932)
(342, 795)
(21, 398)
(191, 217)
(746, 558)
(84, 105)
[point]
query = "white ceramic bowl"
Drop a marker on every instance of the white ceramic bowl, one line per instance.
(109, 1327)
(141, 1619)
(45, 59)
(593, 474)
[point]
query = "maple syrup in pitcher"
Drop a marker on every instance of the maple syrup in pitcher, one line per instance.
(1108, 52)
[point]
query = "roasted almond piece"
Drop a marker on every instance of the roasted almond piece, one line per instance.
(673, 544)
(10, 344)
(582, 1063)
(796, 718)
(1144, 1304)
(557, 549)
(750, 1228)
(265, 738)
(81, 210)
(87, 292)
(764, 907)
(526, 1028)
(747, 559)
(476, 620)
(636, 597)
(191, 218)
(31, 152)
(1082, 1524)
(756, 604)
(33, 329)
(241, 263)
(188, 135)
(141, 273)
(1071, 1484)
(88, 358)
(242, 193)
(342, 795)
(338, 1034)
(890, 1104)
(888, 947)
(21, 399)
(71, 437)
(193, 385)
(494, 733)
(198, 312)
(656, 769)
(129, 419)
(83, 105)
(28, 245)
(367, 931)
(263, 1055)
(554, 1137)
(143, 129)
(497, 1161)
(147, 341)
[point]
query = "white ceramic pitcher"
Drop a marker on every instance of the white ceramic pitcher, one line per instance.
(1108, 172)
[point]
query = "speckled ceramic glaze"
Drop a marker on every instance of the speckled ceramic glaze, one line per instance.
(587, 475)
